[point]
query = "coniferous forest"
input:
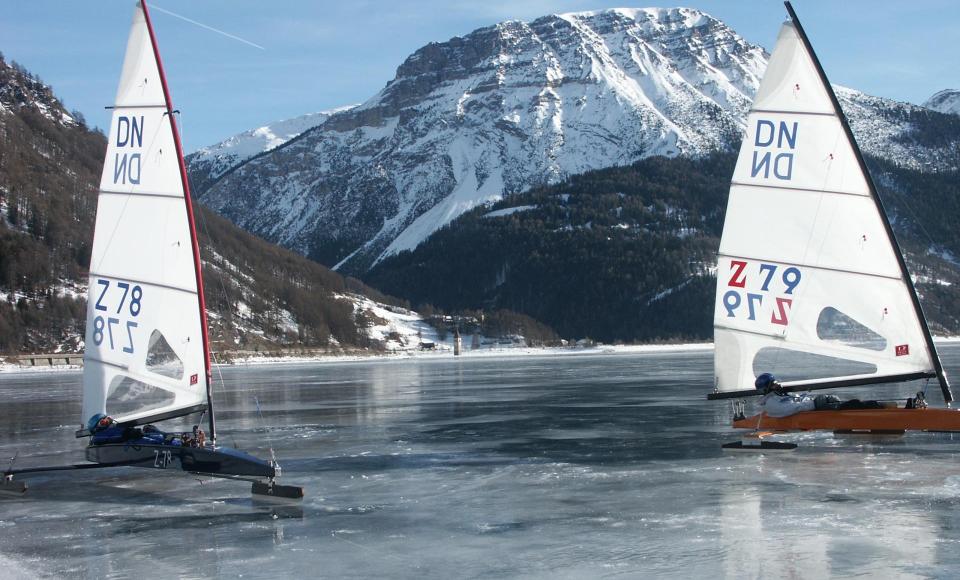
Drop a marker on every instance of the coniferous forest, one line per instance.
(259, 296)
(626, 253)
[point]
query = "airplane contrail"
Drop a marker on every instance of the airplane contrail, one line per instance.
(201, 25)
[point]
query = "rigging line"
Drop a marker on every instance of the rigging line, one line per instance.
(126, 202)
(836, 144)
(202, 25)
(916, 219)
(200, 218)
(826, 215)
(266, 429)
(219, 371)
(817, 217)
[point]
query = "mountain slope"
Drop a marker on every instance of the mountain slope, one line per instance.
(260, 296)
(209, 163)
(514, 106)
(629, 253)
(496, 111)
(945, 101)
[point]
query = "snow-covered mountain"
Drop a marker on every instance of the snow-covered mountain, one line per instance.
(207, 164)
(508, 107)
(945, 101)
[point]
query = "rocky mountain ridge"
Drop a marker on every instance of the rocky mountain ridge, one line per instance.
(208, 164)
(945, 101)
(21, 90)
(517, 105)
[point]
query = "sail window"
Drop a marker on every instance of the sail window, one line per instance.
(128, 395)
(835, 325)
(161, 359)
(796, 365)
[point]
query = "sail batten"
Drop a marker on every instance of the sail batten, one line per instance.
(143, 282)
(792, 189)
(810, 280)
(143, 106)
(784, 112)
(173, 196)
(811, 265)
(145, 354)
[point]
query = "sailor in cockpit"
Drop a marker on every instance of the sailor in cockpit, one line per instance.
(776, 403)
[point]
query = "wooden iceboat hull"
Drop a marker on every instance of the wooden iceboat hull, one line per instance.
(221, 461)
(858, 420)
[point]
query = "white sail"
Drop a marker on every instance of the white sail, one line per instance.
(809, 282)
(145, 355)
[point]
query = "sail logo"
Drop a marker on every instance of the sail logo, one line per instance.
(761, 291)
(775, 145)
(126, 165)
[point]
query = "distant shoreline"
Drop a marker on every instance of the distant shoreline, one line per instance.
(445, 353)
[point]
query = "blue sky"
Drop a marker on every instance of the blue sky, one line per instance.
(322, 54)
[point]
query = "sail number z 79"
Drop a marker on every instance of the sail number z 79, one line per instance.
(760, 291)
(121, 301)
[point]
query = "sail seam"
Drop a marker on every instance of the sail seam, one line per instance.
(147, 282)
(806, 189)
(806, 113)
(754, 332)
(812, 266)
(116, 106)
(142, 194)
(108, 363)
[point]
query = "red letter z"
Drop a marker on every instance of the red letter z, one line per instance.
(738, 279)
(783, 304)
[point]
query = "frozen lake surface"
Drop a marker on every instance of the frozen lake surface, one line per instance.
(600, 466)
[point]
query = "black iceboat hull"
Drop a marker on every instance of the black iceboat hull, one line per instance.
(217, 461)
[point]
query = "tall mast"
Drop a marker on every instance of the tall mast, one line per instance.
(208, 375)
(938, 367)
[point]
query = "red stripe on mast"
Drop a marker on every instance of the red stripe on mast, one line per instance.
(193, 229)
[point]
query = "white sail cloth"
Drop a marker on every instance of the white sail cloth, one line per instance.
(809, 286)
(144, 349)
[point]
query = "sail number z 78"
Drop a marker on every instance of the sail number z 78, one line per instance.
(121, 301)
(761, 291)
(161, 459)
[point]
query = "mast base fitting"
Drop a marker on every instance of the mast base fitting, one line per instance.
(272, 489)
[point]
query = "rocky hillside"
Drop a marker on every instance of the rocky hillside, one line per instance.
(515, 106)
(945, 101)
(210, 163)
(260, 296)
